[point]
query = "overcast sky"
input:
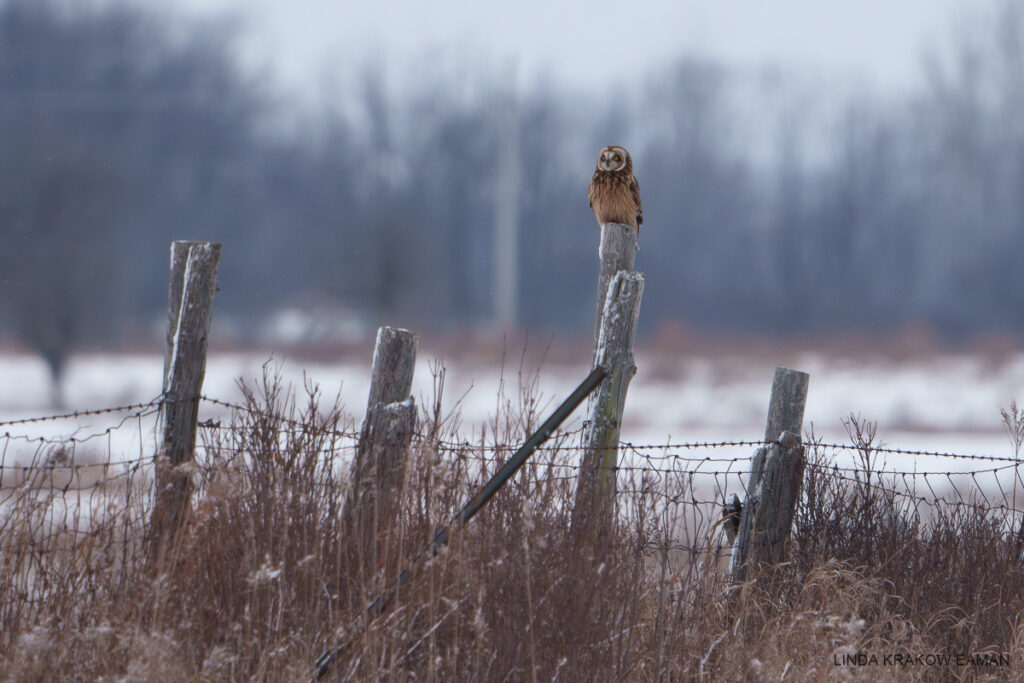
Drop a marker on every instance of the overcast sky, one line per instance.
(304, 43)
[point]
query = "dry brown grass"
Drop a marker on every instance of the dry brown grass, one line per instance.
(263, 580)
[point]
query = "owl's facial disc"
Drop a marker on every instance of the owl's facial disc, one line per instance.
(612, 159)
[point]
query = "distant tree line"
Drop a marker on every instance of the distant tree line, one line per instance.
(117, 136)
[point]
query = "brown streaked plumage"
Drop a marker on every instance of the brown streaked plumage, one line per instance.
(614, 192)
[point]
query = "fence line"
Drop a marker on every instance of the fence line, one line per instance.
(676, 477)
(638, 461)
(152, 407)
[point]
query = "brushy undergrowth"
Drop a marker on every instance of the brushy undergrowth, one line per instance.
(264, 577)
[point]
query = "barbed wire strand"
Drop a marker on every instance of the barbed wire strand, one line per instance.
(635, 451)
(156, 402)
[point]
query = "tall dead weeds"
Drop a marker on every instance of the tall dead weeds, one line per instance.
(264, 578)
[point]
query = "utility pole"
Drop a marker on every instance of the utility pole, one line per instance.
(506, 219)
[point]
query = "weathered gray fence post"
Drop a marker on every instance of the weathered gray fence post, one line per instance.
(617, 253)
(192, 289)
(620, 292)
(379, 466)
(394, 360)
(776, 475)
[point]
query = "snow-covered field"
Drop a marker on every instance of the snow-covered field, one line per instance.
(944, 403)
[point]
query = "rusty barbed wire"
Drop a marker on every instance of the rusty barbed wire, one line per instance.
(145, 411)
(750, 443)
(155, 403)
(468, 445)
(497, 461)
(904, 451)
(276, 416)
(651, 453)
(46, 466)
(224, 404)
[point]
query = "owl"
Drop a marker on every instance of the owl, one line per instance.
(614, 192)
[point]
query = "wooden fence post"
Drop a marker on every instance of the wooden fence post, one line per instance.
(776, 475)
(394, 360)
(617, 253)
(379, 466)
(594, 510)
(192, 289)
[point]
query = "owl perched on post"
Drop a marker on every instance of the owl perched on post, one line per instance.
(614, 192)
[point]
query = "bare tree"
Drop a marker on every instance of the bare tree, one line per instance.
(116, 137)
(59, 255)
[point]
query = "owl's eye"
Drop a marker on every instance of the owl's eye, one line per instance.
(616, 158)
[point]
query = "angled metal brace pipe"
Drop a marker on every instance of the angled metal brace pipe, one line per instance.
(473, 505)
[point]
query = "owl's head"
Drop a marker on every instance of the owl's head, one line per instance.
(613, 159)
